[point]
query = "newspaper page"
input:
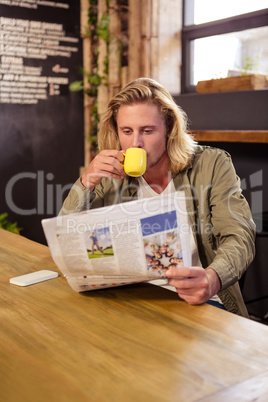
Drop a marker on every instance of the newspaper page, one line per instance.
(125, 243)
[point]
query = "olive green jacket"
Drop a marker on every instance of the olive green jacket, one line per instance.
(220, 217)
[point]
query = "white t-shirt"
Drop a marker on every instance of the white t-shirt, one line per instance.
(145, 191)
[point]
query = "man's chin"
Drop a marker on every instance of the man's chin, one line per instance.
(152, 164)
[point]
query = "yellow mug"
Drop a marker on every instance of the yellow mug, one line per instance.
(135, 162)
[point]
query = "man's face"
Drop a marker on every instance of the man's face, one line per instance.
(141, 126)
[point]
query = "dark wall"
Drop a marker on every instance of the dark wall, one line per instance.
(244, 110)
(41, 137)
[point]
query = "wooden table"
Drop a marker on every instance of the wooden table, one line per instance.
(133, 343)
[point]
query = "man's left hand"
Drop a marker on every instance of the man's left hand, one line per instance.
(195, 285)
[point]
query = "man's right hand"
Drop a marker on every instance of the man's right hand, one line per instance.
(108, 163)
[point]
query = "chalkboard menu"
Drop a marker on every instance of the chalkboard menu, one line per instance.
(41, 121)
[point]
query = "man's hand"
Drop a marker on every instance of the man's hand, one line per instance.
(195, 285)
(108, 163)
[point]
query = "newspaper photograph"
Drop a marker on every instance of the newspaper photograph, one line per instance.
(121, 244)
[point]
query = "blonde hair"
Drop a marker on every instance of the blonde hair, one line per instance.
(180, 145)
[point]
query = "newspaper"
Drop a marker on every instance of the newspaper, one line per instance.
(121, 244)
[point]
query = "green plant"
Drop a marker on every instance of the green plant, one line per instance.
(102, 28)
(96, 30)
(7, 225)
(92, 13)
(250, 64)
(76, 86)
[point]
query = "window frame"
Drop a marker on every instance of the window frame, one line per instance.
(237, 23)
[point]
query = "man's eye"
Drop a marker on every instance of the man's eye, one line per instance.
(147, 130)
(127, 132)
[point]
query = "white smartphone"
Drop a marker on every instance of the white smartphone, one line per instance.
(34, 277)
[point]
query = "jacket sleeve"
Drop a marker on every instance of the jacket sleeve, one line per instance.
(233, 230)
(79, 199)
(108, 192)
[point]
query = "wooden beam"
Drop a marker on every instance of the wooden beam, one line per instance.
(87, 62)
(134, 42)
(146, 38)
(256, 136)
(114, 56)
(84, 7)
(103, 93)
(154, 43)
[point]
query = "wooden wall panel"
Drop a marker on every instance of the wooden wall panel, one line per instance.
(134, 45)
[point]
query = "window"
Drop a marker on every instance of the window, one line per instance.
(215, 48)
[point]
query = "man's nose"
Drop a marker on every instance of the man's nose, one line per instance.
(137, 141)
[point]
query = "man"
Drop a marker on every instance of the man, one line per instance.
(94, 240)
(144, 115)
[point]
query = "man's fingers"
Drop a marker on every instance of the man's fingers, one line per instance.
(112, 153)
(192, 298)
(107, 163)
(189, 279)
(112, 165)
(185, 283)
(182, 272)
